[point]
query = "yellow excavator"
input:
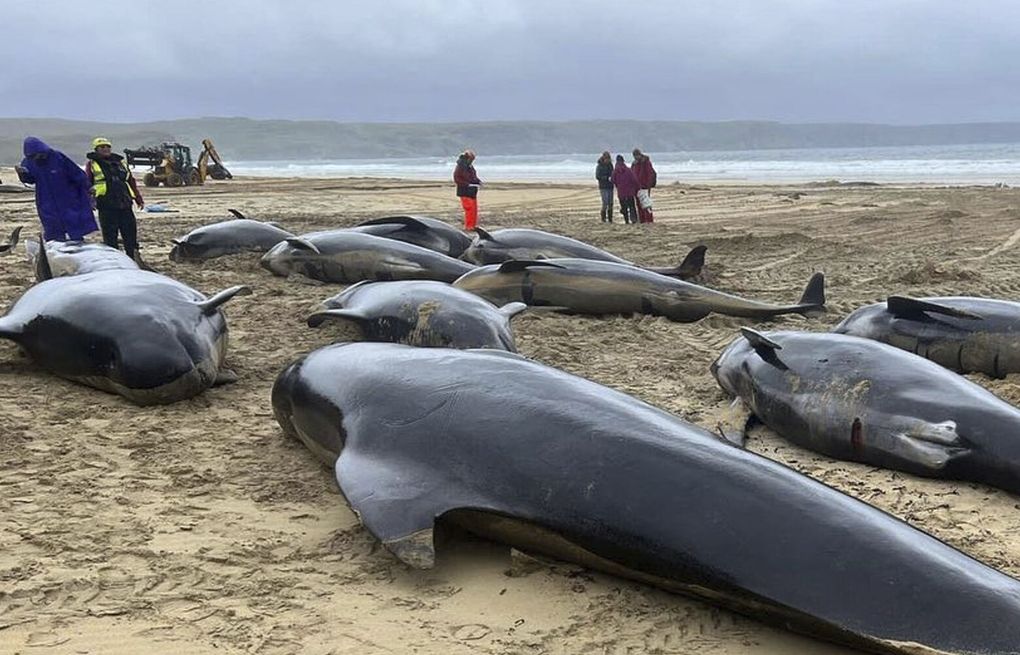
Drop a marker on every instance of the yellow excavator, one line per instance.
(172, 167)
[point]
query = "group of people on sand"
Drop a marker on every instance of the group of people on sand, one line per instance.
(633, 185)
(66, 194)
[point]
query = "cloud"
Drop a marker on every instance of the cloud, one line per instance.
(420, 60)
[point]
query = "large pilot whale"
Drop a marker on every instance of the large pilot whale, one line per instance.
(962, 333)
(136, 333)
(865, 401)
(550, 463)
(528, 244)
(591, 287)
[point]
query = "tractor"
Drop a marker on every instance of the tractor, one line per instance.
(171, 164)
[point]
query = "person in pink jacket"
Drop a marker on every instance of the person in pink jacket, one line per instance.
(626, 184)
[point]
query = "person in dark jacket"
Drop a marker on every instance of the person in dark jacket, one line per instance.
(626, 189)
(114, 189)
(604, 174)
(466, 179)
(61, 192)
(646, 176)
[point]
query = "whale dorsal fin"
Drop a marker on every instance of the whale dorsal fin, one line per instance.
(904, 307)
(11, 242)
(212, 304)
(238, 214)
(318, 318)
(518, 265)
(484, 234)
(407, 221)
(692, 264)
(303, 244)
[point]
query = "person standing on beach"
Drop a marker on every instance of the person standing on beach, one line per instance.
(626, 189)
(604, 174)
(466, 179)
(114, 189)
(646, 177)
(61, 192)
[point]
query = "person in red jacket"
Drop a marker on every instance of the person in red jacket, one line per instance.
(645, 173)
(626, 188)
(466, 179)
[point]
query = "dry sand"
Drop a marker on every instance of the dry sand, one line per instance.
(199, 528)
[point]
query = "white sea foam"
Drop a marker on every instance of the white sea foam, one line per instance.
(961, 164)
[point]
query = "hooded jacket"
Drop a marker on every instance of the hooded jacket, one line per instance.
(625, 180)
(466, 179)
(644, 171)
(61, 192)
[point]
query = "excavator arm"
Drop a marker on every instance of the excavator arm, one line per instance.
(218, 171)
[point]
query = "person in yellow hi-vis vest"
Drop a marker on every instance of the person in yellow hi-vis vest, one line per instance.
(114, 190)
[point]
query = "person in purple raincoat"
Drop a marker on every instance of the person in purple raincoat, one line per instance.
(62, 195)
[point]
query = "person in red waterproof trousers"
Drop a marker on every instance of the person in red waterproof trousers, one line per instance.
(466, 179)
(645, 174)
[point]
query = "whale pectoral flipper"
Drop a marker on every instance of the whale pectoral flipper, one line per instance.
(512, 309)
(903, 307)
(930, 445)
(225, 376)
(399, 502)
(318, 318)
(212, 304)
(43, 271)
(303, 244)
(735, 422)
(518, 265)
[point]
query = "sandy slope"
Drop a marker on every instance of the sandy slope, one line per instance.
(197, 528)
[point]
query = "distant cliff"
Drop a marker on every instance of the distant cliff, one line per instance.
(249, 139)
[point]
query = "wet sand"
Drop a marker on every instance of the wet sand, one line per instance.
(198, 528)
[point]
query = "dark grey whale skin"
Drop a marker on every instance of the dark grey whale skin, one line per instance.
(528, 244)
(986, 342)
(423, 231)
(555, 464)
(227, 238)
(422, 313)
(142, 335)
(865, 401)
(346, 257)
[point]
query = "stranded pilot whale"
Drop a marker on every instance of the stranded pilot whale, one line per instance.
(136, 333)
(227, 238)
(528, 244)
(550, 463)
(585, 286)
(964, 334)
(422, 313)
(423, 231)
(77, 258)
(865, 401)
(347, 256)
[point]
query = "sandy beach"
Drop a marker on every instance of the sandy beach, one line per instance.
(199, 528)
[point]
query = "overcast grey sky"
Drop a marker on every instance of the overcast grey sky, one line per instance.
(889, 61)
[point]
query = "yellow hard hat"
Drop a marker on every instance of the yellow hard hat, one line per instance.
(100, 141)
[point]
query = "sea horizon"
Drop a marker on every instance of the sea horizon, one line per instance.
(949, 164)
